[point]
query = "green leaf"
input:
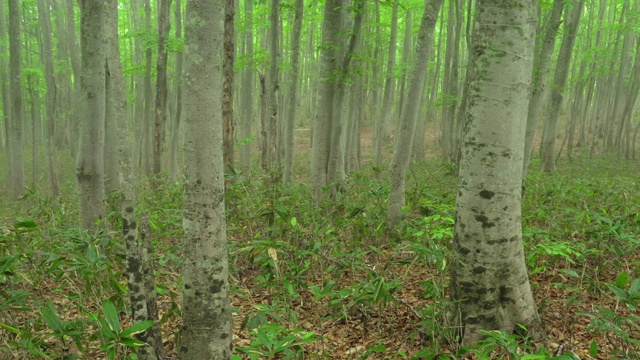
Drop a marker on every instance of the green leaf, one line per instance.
(29, 224)
(138, 328)
(294, 221)
(111, 315)
(131, 342)
(10, 329)
(570, 272)
(593, 349)
(619, 292)
(52, 319)
(622, 280)
(634, 289)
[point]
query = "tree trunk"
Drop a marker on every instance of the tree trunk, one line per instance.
(326, 91)
(293, 92)
(15, 124)
(74, 121)
(174, 169)
(89, 164)
(541, 69)
(489, 281)
(227, 85)
(145, 150)
(161, 88)
(50, 102)
(550, 132)
(404, 138)
(384, 121)
(335, 166)
(6, 101)
(110, 158)
(206, 332)
(248, 89)
(273, 87)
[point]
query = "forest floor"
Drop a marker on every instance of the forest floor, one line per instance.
(334, 283)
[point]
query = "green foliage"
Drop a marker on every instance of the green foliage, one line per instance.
(274, 340)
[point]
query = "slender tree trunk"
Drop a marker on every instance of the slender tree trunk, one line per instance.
(110, 159)
(16, 121)
(6, 100)
(293, 92)
(89, 164)
(248, 89)
(541, 69)
(74, 121)
(547, 148)
(489, 281)
(50, 102)
(227, 85)
(272, 83)
(206, 308)
(384, 121)
(335, 166)
(326, 90)
(175, 132)
(137, 276)
(146, 152)
(404, 138)
(160, 118)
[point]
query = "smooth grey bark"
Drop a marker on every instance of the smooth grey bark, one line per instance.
(15, 124)
(383, 123)
(450, 83)
(407, 126)
(89, 162)
(110, 158)
(36, 120)
(293, 91)
(138, 273)
(174, 169)
(540, 76)
(326, 90)
(248, 90)
(273, 86)
(550, 131)
(50, 102)
(207, 328)
(335, 166)
(489, 278)
(228, 85)
(160, 114)
(74, 121)
(407, 44)
(146, 153)
(4, 88)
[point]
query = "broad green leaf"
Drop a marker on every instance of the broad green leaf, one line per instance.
(294, 221)
(138, 328)
(619, 292)
(52, 319)
(622, 280)
(593, 349)
(111, 315)
(634, 289)
(131, 342)
(29, 224)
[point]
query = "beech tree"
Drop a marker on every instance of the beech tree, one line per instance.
(89, 163)
(407, 126)
(15, 124)
(489, 277)
(206, 308)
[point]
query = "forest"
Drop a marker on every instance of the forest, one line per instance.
(330, 179)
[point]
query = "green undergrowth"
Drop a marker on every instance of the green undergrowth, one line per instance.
(296, 267)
